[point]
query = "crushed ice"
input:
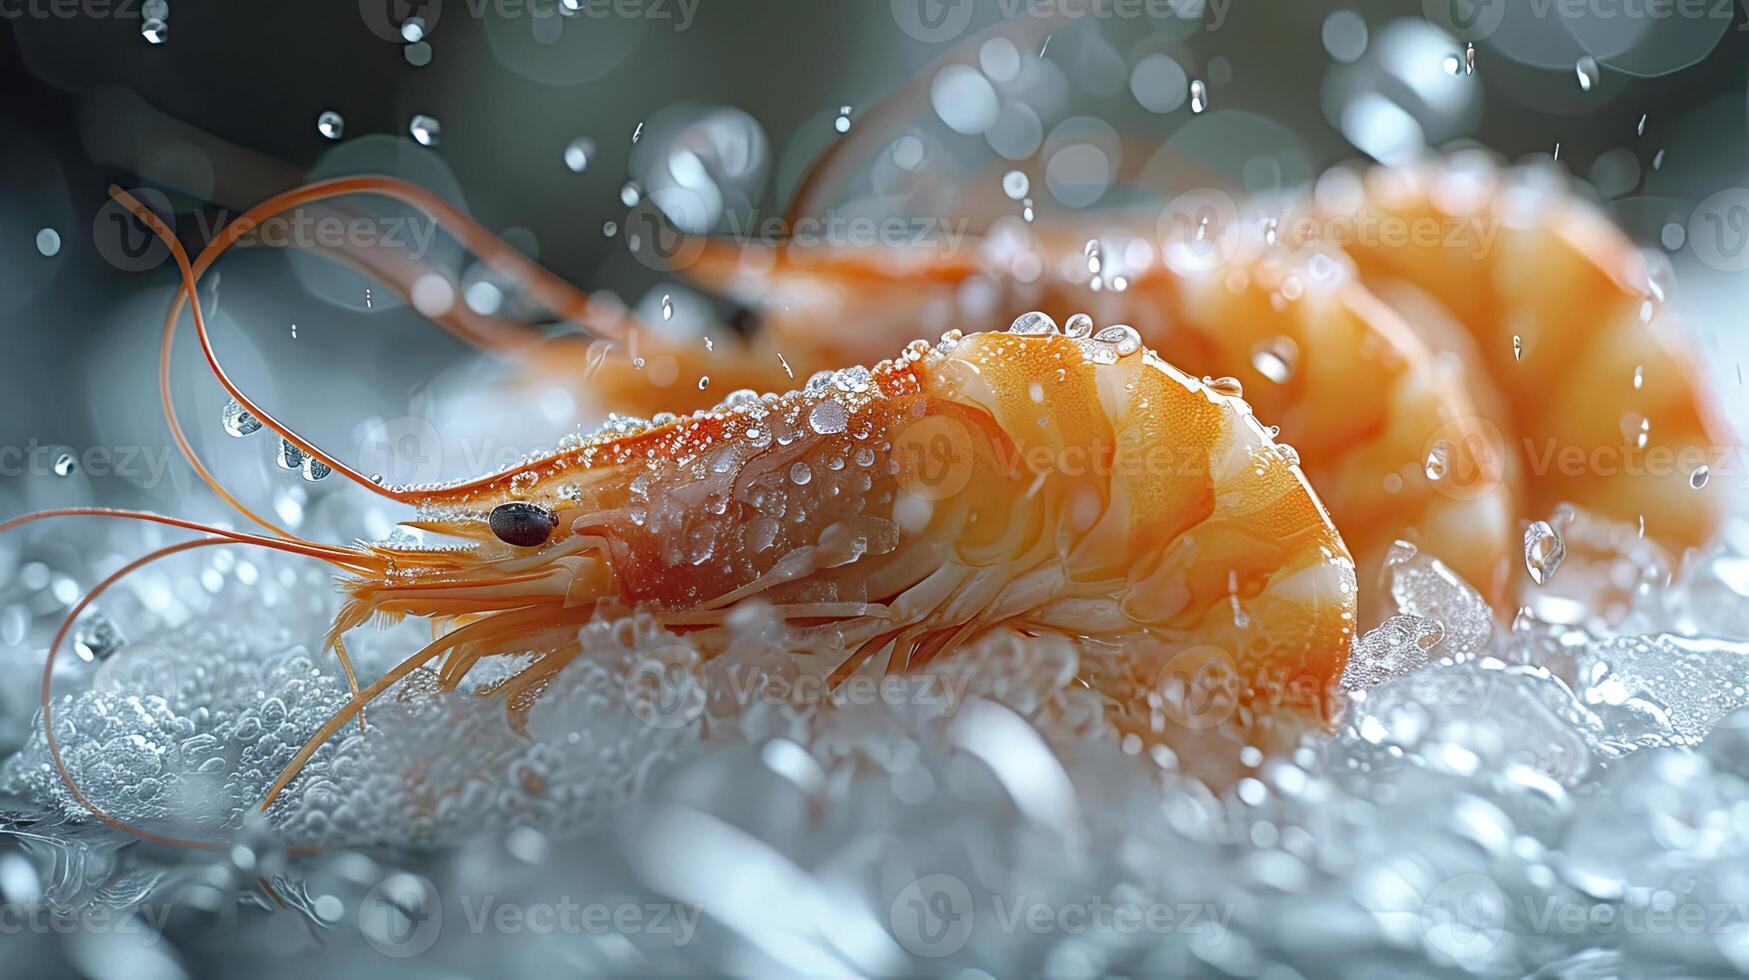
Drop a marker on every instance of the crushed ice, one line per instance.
(1492, 800)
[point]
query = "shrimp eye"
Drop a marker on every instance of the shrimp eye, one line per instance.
(523, 525)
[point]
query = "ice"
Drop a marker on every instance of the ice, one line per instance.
(1490, 802)
(1400, 645)
(1663, 690)
(1425, 588)
(1469, 718)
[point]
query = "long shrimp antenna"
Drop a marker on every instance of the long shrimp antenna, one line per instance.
(348, 558)
(882, 123)
(217, 536)
(549, 289)
(48, 702)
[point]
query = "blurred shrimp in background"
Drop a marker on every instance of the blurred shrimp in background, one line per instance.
(1541, 709)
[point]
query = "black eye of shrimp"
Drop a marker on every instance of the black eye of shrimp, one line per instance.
(523, 525)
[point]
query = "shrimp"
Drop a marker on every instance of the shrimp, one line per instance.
(1577, 340)
(1360, 395)
(1030, 480)
(1073, 485)
(1437, 385)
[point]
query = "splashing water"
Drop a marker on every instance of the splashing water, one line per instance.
(1543, 551)
(425, 130)
(1586, 71)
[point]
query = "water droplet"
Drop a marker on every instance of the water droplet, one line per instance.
(97, 637)
(842, 123)
(637, 132)
(1640, 130)
(1121, 337)
(1639, 377)
(704, 382)
(425, 130)
(330, 125)
(1229, 386)
(1276, 359)
(413, 30)
(155, 21)
(1698, 478)
(1543, 551)
(1199, 95)
(667, 307)
(1034, 323)
(289, 456)
(1586, 69)
(800, 474)
(786, 368)
(1636, 427)
(828, 417)
(577, 154)
(314, 469)
(1517, 348)
(631, 193)
(1015, 184)
(1470, 58)
(1080, 327)
(238, 421)
(48, 242)
(1452, 64)
(609, 229)
(66, 465)
(1438, 461)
